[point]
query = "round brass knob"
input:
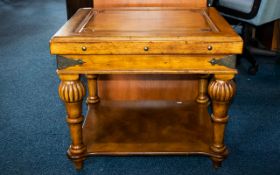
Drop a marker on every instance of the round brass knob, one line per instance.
(84, 48)
(210, 47)
(146, 49)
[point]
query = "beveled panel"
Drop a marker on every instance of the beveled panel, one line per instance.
(143, 22)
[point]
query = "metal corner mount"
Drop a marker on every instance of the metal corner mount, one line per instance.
(63, 63)
(228, 61)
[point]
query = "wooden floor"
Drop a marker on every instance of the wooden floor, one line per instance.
(147, 128)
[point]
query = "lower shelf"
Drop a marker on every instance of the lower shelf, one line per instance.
(147, 128)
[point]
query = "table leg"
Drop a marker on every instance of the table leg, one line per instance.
(72, 91)
(92, 89)
(221, 90)
(202, 89)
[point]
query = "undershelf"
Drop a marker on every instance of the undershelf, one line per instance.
(147, 128)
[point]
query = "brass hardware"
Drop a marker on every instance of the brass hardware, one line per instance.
(228, 61)
(210, 47)
(84, 48)
(146, 49)
(63, 63)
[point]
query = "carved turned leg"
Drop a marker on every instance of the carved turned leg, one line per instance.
(202, 90)
(72, 91)
(221, 90)
(92, 89)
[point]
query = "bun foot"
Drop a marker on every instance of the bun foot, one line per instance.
(78, 164)
(217, 163)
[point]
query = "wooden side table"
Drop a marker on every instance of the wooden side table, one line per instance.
(147, 41)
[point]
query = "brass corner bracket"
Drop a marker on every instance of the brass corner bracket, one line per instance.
(63, 62)
(228, 61)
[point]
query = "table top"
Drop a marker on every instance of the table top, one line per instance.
(146, 24)
(146, 40)
(201, 35)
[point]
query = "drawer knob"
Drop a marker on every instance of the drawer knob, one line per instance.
(84, 48)
(146, 49)
(210, 47)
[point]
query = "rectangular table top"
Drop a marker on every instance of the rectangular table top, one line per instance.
(147, 24)
(147, 40)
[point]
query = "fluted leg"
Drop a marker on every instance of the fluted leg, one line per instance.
(221, 91)
(72, 91)
(92, 89)
(202, 90)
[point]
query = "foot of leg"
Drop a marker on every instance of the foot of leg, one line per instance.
(78, 164)
(217, 162)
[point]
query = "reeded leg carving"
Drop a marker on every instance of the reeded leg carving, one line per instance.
(202, 90)
(72, 91)
(221, 90)
(92, 89)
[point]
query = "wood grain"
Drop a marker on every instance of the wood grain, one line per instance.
(147, 127)
(202, 97)
(145, 64)
(92, 89)
(150, 3)
(221, 91)
(116, 31)
(71, 92)
(122, 31)
(148, 87)
(138, 42)
(122, 24)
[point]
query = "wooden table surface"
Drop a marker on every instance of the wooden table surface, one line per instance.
(147, 25)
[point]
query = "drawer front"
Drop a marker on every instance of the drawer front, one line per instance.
(145, 64)
(144, 48)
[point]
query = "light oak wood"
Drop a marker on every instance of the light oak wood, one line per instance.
(162, 43)
(149, 3)
(148, 127)
(140, 42)
(191, 38)
(117, 31)
(147, 87)
(221, 90)
(146, 64)
(92, 89)
(202, 89)
(72, 91)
